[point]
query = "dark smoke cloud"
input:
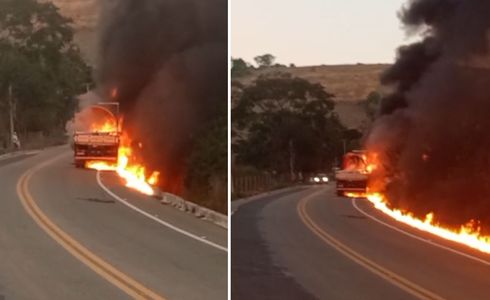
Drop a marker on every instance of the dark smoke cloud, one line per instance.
(168, 61)
(434, 133)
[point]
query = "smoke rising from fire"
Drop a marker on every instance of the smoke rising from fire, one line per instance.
(167, 59)
(433, 134)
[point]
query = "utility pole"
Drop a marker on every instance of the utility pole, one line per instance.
(291, 160)
(11, 115)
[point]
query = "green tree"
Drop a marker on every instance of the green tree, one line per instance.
(239, 67)
(39, 59)
(264, 61)
(206, 181)
(352, 139)
(285, 119)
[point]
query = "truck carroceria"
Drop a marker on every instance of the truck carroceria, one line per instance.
(353, 178)
(95, 146)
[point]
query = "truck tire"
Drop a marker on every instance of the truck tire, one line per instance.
(340, 193)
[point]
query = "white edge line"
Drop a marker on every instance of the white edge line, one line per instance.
(418, 237)
(188, 234)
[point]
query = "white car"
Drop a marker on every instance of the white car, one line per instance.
(319, 178)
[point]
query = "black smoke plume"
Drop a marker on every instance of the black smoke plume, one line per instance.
(167, 60)
(433, 136)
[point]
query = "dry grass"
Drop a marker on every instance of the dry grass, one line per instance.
(349, 83)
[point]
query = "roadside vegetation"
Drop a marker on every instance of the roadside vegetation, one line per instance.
(41, 72)
(283, 128)
(206, 181)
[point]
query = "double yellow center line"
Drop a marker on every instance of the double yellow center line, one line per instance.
(130, 286)
(389, 276)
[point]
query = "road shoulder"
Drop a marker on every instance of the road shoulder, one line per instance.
(254, 271)
(236, 204)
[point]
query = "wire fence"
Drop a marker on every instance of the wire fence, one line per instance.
(247, 185)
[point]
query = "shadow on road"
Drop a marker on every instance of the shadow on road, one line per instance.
(96, 201)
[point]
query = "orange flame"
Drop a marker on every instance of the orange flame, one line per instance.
(133, 173)
(107, 126)
(365, 163)
(114, 93)
(468, 234)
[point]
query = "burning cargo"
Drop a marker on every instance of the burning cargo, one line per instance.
(97, 135)
(352, 178)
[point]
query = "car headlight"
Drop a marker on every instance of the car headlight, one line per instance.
(316, 179)
(325, 179)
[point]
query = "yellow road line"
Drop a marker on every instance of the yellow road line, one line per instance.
(389, 276)
(130, 286)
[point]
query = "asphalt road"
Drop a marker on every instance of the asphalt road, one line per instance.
(311, 244)
(119, 243)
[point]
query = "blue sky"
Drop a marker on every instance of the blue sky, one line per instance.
(313, 32)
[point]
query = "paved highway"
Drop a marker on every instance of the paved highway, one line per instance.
(62, 236)
(310, 244)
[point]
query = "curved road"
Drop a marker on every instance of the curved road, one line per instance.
(63, 237)
(311, 244)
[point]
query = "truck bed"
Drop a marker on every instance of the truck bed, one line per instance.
(95, 146)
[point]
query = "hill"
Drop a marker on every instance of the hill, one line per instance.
(349, 83)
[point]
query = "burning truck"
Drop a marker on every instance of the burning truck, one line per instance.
(89, 146)
(100, 140)
(101, 143)
(354, 175)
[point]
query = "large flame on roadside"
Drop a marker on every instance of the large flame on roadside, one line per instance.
(127, 167)
(469, 234)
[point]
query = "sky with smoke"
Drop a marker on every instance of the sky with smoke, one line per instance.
(167, 59)
(433, 134)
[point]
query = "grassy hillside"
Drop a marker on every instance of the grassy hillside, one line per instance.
(85, 16)
(349, 84)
